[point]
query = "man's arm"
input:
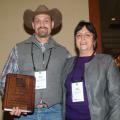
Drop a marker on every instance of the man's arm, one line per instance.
(11, 66)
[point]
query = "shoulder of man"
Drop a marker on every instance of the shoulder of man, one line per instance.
(29, 40)
(58, 45)
(69, 61)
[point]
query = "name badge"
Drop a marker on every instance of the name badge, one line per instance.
(40, 80)
(77, 92)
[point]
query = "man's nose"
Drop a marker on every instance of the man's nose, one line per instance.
(42, 24)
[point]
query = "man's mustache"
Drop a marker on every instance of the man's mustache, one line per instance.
(42, 28)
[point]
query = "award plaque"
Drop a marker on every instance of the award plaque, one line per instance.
(19, 92)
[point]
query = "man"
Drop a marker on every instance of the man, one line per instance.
(40, 55)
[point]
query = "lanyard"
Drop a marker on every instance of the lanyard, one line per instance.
(43, 58)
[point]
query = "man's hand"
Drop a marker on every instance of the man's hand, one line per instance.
(17, 112)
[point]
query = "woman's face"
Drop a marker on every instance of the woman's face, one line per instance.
(84, 40)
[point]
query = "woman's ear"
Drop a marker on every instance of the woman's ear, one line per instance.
(94, 44)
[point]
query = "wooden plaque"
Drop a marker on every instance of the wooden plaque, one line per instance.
(19, 92)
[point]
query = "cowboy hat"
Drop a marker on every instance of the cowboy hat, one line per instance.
(54, 13)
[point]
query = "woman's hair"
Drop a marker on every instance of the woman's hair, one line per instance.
(89, 27)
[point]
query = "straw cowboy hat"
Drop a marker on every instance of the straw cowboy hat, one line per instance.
(54, 13)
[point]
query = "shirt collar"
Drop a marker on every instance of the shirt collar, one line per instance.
(51, 43)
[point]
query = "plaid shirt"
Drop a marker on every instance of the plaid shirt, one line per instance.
(11, 66)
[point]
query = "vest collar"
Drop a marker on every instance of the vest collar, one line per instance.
(51, 43)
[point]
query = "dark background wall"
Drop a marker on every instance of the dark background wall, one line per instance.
(110, 26)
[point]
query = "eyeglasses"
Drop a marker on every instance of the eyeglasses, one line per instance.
(86, 36)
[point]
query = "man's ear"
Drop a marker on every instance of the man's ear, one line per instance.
(52, 24)
(33, 26)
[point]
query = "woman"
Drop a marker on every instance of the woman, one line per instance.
(92, 81)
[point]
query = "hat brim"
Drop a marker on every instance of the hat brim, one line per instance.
(54, 13)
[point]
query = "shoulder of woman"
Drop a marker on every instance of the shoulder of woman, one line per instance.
(104, 56)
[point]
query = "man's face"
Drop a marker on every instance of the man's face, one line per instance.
(42, 24)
